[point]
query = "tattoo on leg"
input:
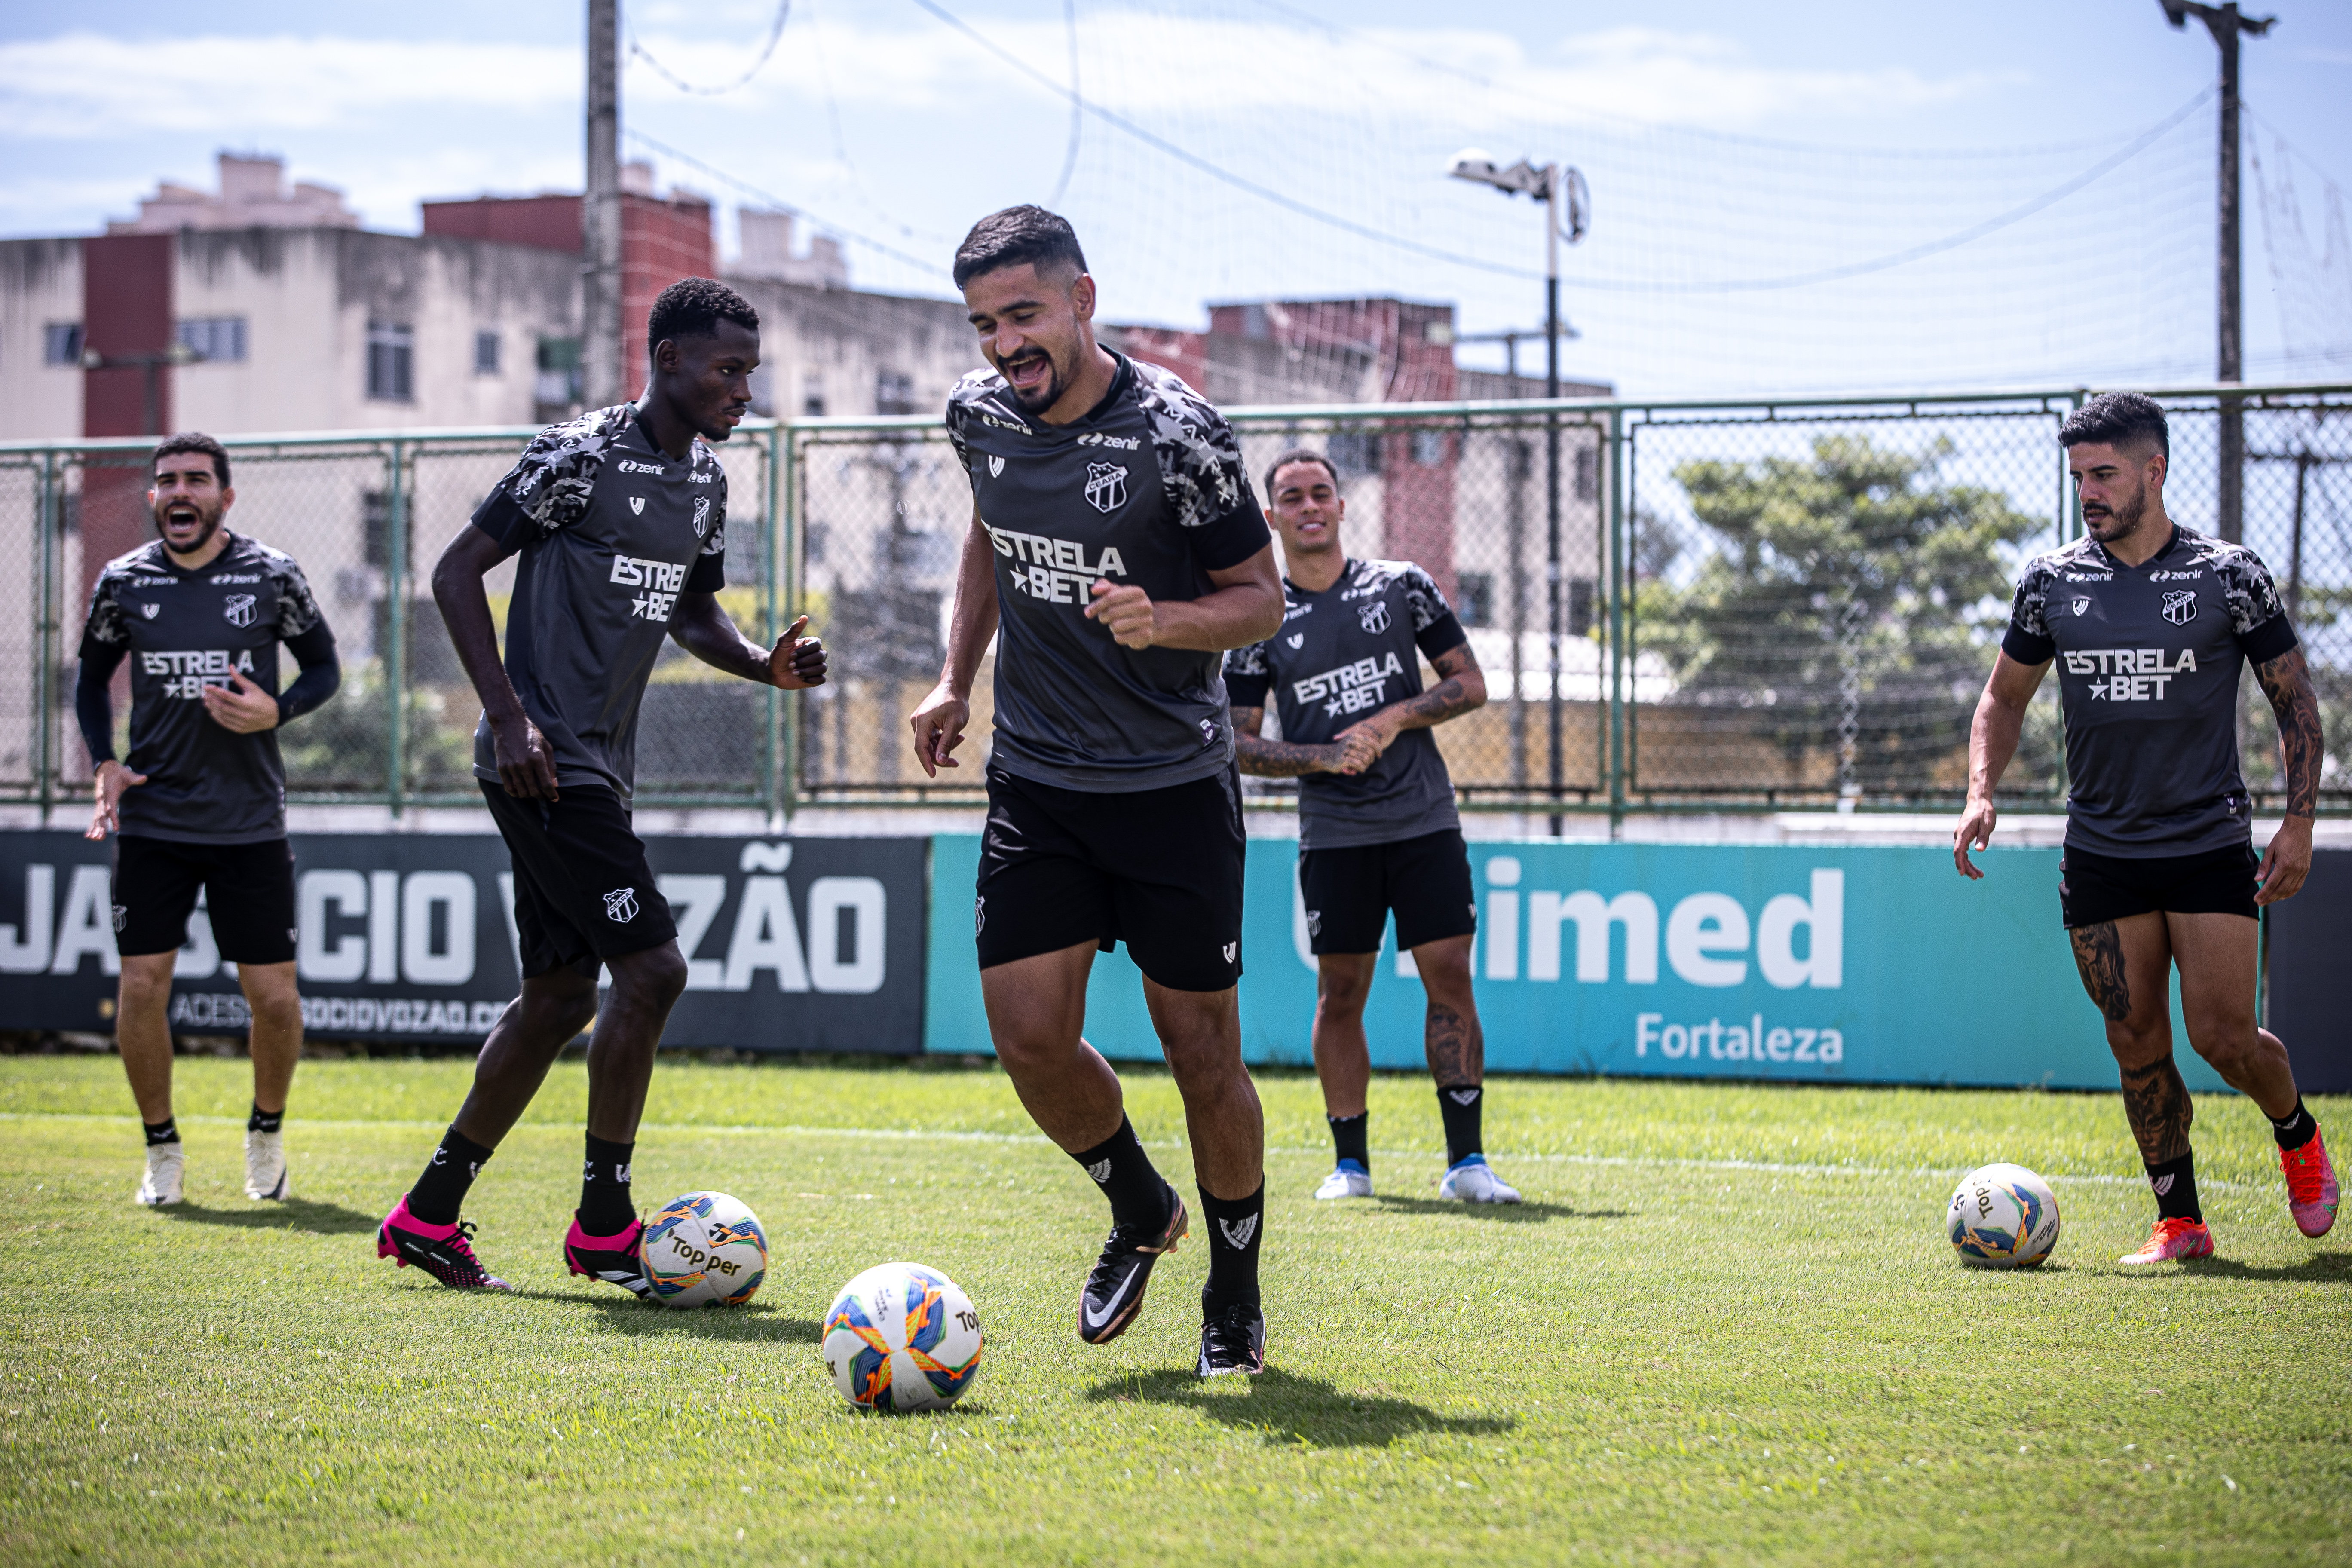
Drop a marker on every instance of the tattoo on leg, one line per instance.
(1446, 1037)
(2099, 954)
(2156, 1101)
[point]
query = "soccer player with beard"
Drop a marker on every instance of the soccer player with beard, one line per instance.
(1377, 826)
(1115, 550)
(619, 518)
(199, 807)
(2152, 622)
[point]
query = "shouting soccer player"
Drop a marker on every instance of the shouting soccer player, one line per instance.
(2150, 623)
(1377, 827)
(200, 808)
(1115, 550)
(620, 520)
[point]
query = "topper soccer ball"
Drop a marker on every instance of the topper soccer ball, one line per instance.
(2003, 1216)
(705, 1249)
(902, 1336)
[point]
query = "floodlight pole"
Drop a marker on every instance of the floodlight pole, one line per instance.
(1552, 485)
(2225, 24)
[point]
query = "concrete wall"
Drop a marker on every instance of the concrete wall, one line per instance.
(40, 283)
(838, 346)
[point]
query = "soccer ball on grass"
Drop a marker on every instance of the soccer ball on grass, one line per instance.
(902, 1336)
(705, 1249)
(2003, 1216)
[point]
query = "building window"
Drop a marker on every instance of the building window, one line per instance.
(1429, 448)
(559, 372)
(893, 393)
(813, 394)
(1356, 451)
(61, 343)
(485, 353)
(1586, 474)
(391, 350)
(215, 338)
(1473, 598)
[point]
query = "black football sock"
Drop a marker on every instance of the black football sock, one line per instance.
(1460, 1104)
(2298, 1129)
(605, 1205)
(1351, 1136)
(1236, 1230)
(441, 1191)
(264, 1121)
(2175, 1185)
(164, 1131)
(1138, 1193)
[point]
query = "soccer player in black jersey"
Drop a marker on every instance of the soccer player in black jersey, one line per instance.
(2149, 624)
(1377, 826)
(1115, 550)
(619, 518)
(199, 808)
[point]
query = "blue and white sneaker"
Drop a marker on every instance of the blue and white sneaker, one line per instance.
(1472, 1183)
(1347, 1179)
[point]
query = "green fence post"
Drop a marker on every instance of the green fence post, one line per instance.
(395, 636)
(772, 728)
(1620, 556)
(45, 704)
(785, 537)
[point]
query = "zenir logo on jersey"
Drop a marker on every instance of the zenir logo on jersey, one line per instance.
(239, 610)
(2180, 606)
(1374, 617)
(1106, 485)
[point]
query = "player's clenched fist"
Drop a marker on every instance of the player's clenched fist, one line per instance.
(1128, 612)
(797, 662)
(939, 728)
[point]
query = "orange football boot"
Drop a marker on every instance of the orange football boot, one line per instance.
(2173, 1239)
(2310, 1186)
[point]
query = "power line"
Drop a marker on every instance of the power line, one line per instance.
(930, 267)
(775, 31)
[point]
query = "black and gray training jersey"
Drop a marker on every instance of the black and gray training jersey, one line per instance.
(611, 530)
(1343, 655)
(185, 630)
(1148, 489)
(2148, 659)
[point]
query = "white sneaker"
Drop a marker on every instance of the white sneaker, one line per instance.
(1472, 1183)
(161, 1184)
(1346, 1181)
(265, 1175)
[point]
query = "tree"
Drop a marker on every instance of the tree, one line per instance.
(1852, 606)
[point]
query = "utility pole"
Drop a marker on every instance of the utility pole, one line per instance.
(600, 213)
(2225, 24)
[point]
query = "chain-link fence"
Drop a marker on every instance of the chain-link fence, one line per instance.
(1683, 606)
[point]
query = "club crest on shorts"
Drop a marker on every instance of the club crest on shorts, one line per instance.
(995, 468)
(638, 505)
(1374, 615)
(121, 917)
(2180, 607)
(237, 610)
(1315, 922)
(621, 904)
(980, 914)
(1232, 948)
(1106, 485)
(2081, 604)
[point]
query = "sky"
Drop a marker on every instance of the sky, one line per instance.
(1794, 197)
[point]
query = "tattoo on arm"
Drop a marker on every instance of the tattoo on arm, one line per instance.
(1450, 698)
(1272, 759)
(1456, 1046)
(2099, 954)
(2286, 681)
(2156, 1102)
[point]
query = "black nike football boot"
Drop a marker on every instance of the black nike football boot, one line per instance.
(1114, 1292)
(1232, 1339)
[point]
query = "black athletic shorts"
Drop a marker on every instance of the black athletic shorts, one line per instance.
(1348, 892)
(248, 892)
(1159, 870)
(2095, 888)
(582, 891)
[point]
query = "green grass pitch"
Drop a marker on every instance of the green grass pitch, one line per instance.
(1725, 1328)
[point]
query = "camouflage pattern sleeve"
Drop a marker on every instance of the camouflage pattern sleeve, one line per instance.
(298, 608)
(553, 478)
(104, 624)
(955, 422)
(2247, 586)
(1199, 457)
(2028, 611)
(1249, 675)
(714, 542)
(1423, 597)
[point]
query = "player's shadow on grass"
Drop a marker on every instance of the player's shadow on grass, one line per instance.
(1287, 1409)
(294, 1214)
(755, 1323)
(1506, 1214)
(2320, 1267)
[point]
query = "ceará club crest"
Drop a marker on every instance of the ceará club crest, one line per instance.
(1106, 485)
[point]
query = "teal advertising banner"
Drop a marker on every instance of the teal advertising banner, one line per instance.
(1851, 965)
